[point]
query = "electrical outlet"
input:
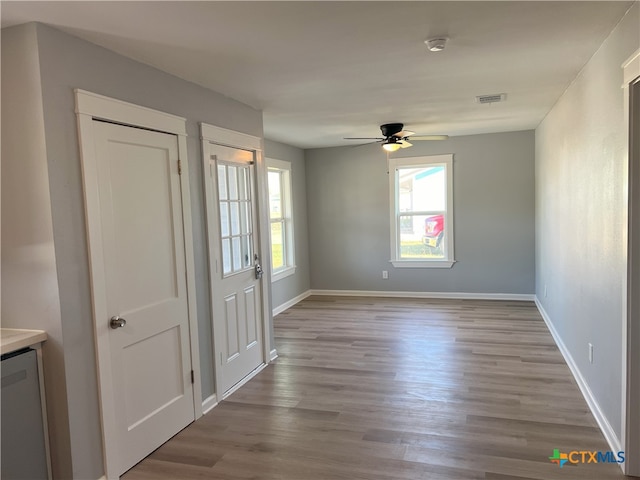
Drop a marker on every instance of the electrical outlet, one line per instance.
(590, 353)
(385, 274)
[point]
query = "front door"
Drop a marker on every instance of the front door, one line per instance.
(145, 281)
(235, 289)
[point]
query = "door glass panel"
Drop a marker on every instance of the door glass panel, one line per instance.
(224, 219)
(222, 182)
(235, 218)
(233, 182)
(226, 256)
(244, 213)
(249, 219)
(236, 254)
(242, 183)
(246, 251)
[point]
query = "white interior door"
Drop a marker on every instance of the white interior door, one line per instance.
(145, 280)
(237, 300)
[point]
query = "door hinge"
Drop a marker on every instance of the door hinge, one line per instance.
(179, 167)
(192, 377)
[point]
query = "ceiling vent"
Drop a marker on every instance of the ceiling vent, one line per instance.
(495, 98)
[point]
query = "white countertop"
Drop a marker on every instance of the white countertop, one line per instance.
(14, 338)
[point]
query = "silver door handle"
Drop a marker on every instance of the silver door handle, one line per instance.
(257, 267)
(117, 322)
(258, 271)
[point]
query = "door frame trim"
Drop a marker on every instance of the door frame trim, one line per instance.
(631, 305)
(90, 106)
(230, 138)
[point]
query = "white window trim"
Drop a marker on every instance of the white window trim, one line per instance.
(394, 164)
(284, 273)
(290, 269)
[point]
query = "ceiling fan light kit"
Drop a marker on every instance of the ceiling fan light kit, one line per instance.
(391, 146)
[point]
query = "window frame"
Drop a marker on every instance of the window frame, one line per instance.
(289, 268)
(395, 164)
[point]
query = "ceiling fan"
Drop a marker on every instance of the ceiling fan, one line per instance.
(394, 137)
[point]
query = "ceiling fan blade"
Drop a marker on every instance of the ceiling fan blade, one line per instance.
(430, 137)
(363, 144)
(405, 144)
(362, 138)
(404, 133)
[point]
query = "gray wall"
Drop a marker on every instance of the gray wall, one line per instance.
(580, 195)
(30, 296)
(67, 62)
(349, 231)
(290, 287)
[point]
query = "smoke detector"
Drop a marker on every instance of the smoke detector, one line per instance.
(436, 44)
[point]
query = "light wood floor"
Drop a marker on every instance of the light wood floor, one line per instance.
(389, 389)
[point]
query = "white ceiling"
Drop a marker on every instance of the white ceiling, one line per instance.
(324, 70)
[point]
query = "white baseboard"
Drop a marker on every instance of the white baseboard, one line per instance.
(601, 419)
(209, 403)
(444, 295)
(281, 308)
(273, 355)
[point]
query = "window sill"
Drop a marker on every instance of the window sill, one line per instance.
(423, 264)
(284, 273)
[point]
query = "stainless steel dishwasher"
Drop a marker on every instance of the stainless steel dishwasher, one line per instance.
(23, 454)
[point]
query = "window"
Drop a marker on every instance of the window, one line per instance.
(422, 211)
(281, 218)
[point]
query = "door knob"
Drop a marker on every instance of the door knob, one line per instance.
(257, 267)
(117, 322)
